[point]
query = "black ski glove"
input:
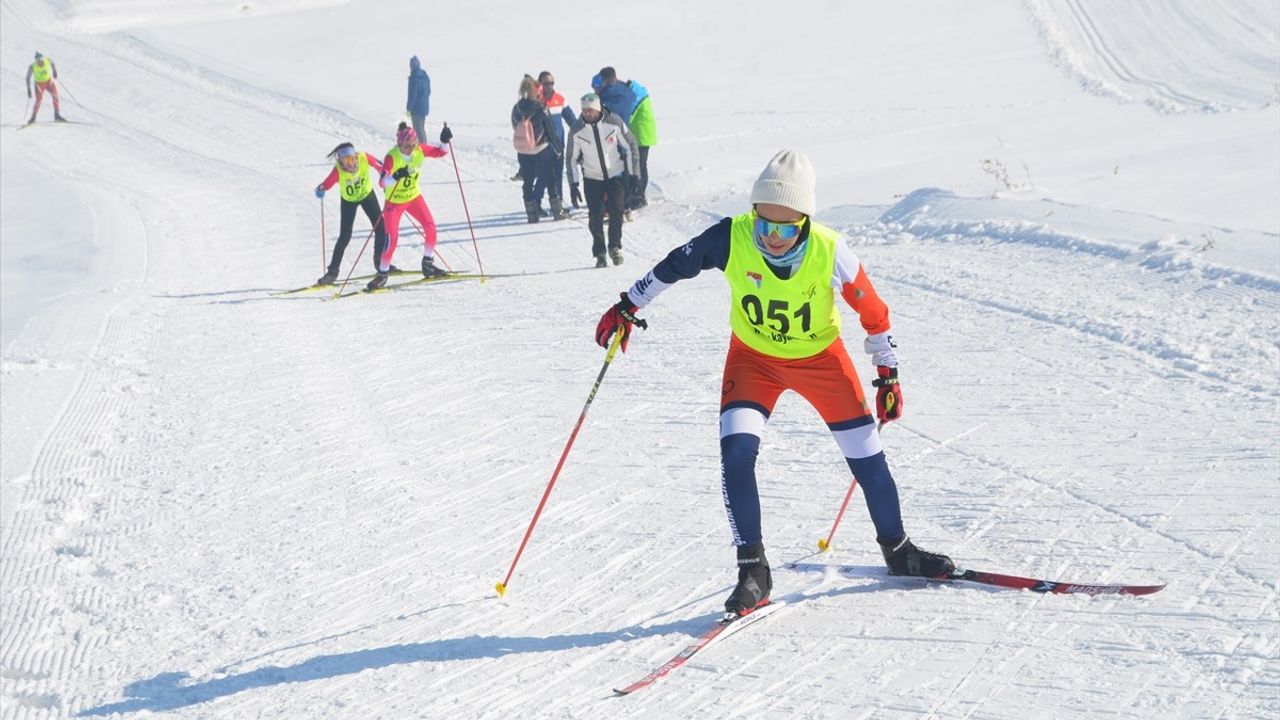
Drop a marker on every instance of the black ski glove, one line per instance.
(446, 135)
(401, 174)
(575, 195)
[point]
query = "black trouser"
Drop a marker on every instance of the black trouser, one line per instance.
(374, 213)
(642, 181)
(536, 174)
(598, 192)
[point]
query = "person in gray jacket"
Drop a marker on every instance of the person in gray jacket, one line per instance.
(606, 150)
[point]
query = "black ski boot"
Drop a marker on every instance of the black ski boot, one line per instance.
(904, 558)
(328, 278)
(755, 581)
(57, 117)
(379, 281)
(429, 269)
(602, 261)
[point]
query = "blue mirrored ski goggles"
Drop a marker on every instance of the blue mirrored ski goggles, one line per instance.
(784, 230)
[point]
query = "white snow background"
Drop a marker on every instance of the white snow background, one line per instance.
(219, 503)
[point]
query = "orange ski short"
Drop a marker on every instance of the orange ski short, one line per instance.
(827, 380)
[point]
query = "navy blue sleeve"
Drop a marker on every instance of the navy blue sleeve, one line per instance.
(708, 250)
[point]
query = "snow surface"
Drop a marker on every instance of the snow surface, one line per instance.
(220, 503)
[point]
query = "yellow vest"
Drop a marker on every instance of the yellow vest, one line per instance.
(792, 318)
(42, 70)
(407, 189)
(355, 185)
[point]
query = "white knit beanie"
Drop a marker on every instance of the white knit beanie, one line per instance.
(788, 181)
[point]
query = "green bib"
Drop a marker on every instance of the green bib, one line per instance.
(407, 189)
(792, 318)
(42, 70)
(355, 185)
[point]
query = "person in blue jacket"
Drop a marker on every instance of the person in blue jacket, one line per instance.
(630, 101)
(419, 103)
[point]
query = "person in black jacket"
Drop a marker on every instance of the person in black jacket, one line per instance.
(538, 148)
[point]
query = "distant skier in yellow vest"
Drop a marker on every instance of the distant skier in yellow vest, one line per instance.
(784, 273)
(44, 72)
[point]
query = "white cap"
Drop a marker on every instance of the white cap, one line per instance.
(787, 180)
(591, 101)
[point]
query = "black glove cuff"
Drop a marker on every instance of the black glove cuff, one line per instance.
(628, 310)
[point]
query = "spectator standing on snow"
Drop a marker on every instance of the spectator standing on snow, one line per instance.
(537, 148)
(351, 171)
(44, 72)
(784, 273)
(400, 171)
(559, 112)
(630, 101)
(418, 104)
(600, 142)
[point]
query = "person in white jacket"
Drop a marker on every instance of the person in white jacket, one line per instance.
(605, 149)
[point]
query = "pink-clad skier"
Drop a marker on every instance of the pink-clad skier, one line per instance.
(399, 180)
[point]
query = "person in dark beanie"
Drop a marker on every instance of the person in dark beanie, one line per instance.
(600, 143)
(418, 104)
(630, 100)
(785, 272)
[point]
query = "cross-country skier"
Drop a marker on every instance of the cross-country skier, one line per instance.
(44, 72)
(351, 170)
(400, 171)
(785, 272)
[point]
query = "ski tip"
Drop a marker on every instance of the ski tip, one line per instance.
(501, 588)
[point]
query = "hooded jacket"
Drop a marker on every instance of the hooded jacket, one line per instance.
(419, 102)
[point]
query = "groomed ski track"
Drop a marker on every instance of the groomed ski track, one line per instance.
(253, 506)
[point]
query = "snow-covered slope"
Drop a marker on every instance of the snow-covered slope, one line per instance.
(218, 502)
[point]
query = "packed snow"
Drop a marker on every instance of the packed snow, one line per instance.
(217, 501)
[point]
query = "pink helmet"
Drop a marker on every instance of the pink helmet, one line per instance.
(406, 134)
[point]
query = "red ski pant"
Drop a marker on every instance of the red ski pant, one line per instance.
(417, 208)
(40, 90)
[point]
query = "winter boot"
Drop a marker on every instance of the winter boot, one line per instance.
(531, 211)
(615, 254)
(904, 558)
(755, 581)
(557, 210)
(328, 278)
(378, 281)
(602, 261)
(429, 269)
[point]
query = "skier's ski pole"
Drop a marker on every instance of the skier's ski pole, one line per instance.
(359, 255)
(825, 545)
(608, 358)
(324, 247)
(25, 108)
(423, 231)
(376, 261)
(66, 90)
(453, 156)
